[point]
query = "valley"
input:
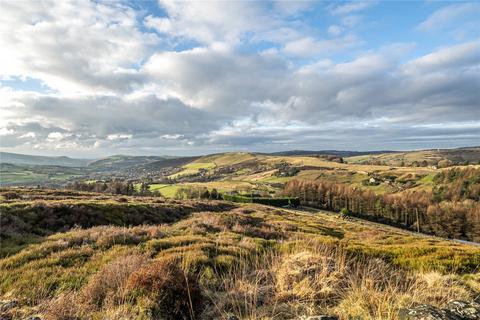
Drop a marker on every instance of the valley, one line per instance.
(181, 237)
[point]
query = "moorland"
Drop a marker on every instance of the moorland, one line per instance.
(241, 236)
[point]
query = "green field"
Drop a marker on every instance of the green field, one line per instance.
(15, 174)
(193, 168)
(166, 190)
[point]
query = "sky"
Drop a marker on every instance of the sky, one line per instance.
(95, 78)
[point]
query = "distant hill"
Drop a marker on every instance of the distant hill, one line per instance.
(119, 162)
(24, 159)
(51, 175)
(166, 163)
(339, 153)
(465, 155)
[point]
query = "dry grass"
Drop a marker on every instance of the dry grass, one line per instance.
(175, 293)
(255, 262)
(310, 278)
(107, 287)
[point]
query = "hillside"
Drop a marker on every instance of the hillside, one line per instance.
(246, 168)
(11, 174)
(418, 158)
(23, 159)
(121, 162)
(341, 153)
(212, 259)
(231, 171)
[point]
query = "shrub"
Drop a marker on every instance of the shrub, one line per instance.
(63, 307)
(11, 195)
(276, 202)
(176, 294)
(108, 285)
(309, 276)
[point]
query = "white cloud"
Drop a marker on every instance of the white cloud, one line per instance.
(212, 21)
(334, 30)
(308, 46)
(6, 132)
(351, 7)
(117, 136)
(221, 75)
(28, 135)
(445, 15)
(466, 54)
(57, 136)
(73, 46)
(218, 78)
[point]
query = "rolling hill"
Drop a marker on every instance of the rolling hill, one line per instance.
(430, 157)
(23, 159)
(121, 162)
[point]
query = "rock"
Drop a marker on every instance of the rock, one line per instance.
(7, 305)
(425, 312)
(465, 310)
(454, 310)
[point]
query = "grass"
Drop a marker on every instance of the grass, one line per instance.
(193, 168)
(199, 165)
(24, 174)
(349, 173)
(253, 261)
(167, 190)
(231, 158)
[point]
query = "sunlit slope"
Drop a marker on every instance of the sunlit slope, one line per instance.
(235, 170)
(431, 157)
(243, 258)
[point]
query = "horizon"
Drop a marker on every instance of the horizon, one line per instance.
(89, 79)
(237, 151)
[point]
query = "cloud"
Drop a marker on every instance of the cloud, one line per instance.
(454, 57)
(308, 46)
(57, 136)
(28, 135)
(212, 21)
(334, 30)
(444, 16)
(73, 46)
(118, 136)
(351, 7)
(83, 121)
(6, 132)
(212, 102)
(216, 76)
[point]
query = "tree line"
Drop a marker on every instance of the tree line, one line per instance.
(114, 187)
(451, 209)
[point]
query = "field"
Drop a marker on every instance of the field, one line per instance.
(30, 174)
(431, 157)
(94, 256)
(193, 168)
(263, 173)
